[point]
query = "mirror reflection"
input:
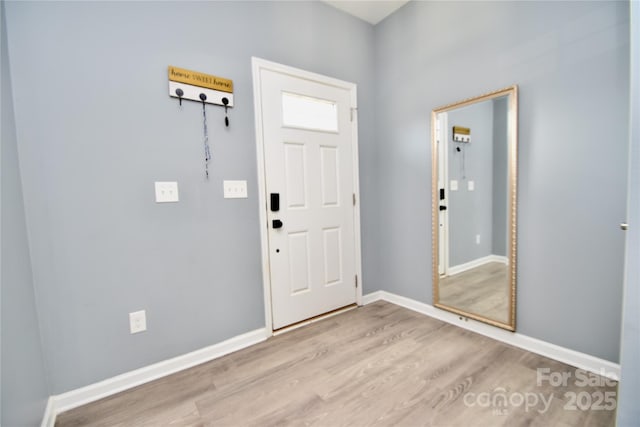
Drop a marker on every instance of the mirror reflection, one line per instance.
(475, 143)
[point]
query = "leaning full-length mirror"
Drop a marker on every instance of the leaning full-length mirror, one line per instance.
(474, 183)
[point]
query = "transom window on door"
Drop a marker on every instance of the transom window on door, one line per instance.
(306, 112)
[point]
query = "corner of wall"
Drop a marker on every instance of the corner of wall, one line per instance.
(25, 389)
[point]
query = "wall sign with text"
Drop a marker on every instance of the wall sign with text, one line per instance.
(194, 86)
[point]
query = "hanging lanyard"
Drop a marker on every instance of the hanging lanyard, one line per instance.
(207, 150)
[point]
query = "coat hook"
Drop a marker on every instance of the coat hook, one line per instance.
(225, 101)
(179, 92)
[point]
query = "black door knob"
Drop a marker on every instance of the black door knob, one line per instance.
(276, 223)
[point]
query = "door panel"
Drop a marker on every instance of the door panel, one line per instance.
(309, 162)
(330, 176)
(295, 174)
(332, 256)
(299, 274)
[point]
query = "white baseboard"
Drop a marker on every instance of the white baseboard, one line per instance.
(74, 398)
(543, 348)
(456, 269)
(49, 417)
(372, 297)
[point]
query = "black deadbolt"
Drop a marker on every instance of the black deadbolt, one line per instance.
(275, 202)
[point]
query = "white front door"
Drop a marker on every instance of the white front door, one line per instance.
(308, 143)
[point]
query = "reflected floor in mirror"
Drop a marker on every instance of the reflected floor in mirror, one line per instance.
(482, 290)
(379, 365)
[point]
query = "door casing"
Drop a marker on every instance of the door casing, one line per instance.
(259, 64)
(443, 170)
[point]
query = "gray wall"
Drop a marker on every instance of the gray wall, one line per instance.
(570, 60)
(629, 388)
(24, 387)
(500, 176)
(96, 128)
(470, 212)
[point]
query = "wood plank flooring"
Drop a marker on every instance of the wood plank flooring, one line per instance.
(378, 365)
(483, 290)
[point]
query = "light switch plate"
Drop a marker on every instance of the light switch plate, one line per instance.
(137, 321)
(235, 189)
(471, 185)
(166, 192)
(454, 185)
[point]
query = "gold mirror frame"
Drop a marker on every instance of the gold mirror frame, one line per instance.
(512, 143)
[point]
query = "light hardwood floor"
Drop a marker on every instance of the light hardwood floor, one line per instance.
(379, 365)
(483, 290)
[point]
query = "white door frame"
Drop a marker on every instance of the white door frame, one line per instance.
(443, 165)
(259, 64)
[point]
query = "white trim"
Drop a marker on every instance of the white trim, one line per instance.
(258, 64)
(443, 135)
(500, 258)
(356, 190)
(263, 64)
(457, 269)
(543, 348)
(81, 396)
(373, 297)
(262, 195)
(49, 417)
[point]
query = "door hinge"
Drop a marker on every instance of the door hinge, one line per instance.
(356, 280)
(353, 111)
(354, 199)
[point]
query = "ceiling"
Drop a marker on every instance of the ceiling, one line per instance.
(372, 11)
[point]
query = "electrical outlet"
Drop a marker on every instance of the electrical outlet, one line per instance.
(166, 192)
(471, 185)
(137, 321)
(235, 189)
(477, 239)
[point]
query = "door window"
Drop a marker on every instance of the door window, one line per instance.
(305, 112)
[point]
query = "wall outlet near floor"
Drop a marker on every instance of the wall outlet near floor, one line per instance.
(477, 239)
(138, 321)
